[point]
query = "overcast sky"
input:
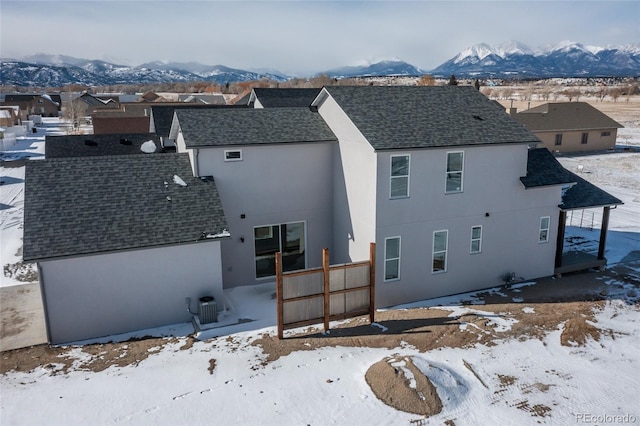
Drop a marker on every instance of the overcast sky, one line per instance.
(302, 37)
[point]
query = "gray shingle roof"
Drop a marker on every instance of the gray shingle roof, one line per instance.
(565, 116)
(543, 170)
(585, 195)
(90, 205)
(285, 98)
(162, 115)
(248, 126)
(92, 145)
(397, 117)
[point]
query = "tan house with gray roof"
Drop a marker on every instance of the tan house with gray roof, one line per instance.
(570, 126)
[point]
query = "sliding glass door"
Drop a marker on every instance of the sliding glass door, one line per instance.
(288, 238)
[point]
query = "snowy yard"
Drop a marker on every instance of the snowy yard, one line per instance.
(503, 356)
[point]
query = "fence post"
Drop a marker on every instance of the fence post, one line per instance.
(279, 295)
(372, 282)
(327, 287)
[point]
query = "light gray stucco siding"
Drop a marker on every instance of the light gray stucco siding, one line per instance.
(493, 197)
(94, 296)
(271, 185)
(354, 187)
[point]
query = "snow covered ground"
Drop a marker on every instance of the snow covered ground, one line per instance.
(225, 379)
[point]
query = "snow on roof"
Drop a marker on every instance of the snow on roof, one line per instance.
(148, 147)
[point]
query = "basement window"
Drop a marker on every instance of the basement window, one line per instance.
(233, 155)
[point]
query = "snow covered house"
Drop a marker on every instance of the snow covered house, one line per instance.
(120, 241)
(570, 126)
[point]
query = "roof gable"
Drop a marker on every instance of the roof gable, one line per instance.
(79, 206)
(406, 117)
(284, 98)
(565, 116)
(248, 126)
(544, 170)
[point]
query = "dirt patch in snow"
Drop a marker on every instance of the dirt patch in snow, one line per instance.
(93, 357)
(397, 382)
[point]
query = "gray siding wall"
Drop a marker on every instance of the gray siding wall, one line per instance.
(491, 186)
(354, 187)
(271, 185)
(95, 296)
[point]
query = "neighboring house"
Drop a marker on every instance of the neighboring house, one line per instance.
(120, 242)
(261, 97)
(100, 145)
(273, 169)
(8, 116)
(151, 97)
(86, 104)
(162, 117)
(112, 122)
(34, 104)
(570, 126)
(200, 98)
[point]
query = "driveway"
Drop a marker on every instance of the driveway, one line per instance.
(22, 317)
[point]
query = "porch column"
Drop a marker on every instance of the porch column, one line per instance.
(562, 220)
(603, 232)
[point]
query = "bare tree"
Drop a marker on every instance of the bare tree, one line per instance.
(426, 80)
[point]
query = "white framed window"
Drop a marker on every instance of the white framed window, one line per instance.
(558, 140)
(603, 134)
(440, 246)
(476, 239)
(399, 182)
(455, 170)
(392, 259)
(232, 155)
(543, 236)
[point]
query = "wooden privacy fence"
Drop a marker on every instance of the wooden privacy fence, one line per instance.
(325, 294)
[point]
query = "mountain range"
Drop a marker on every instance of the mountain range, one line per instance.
(507, 60)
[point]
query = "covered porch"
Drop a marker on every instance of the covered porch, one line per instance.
(583, 195)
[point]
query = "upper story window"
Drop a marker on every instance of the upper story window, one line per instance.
(585, 138)
(543, 236)
(455, 167)
(559, 139)
(233, 155)
(399, 185)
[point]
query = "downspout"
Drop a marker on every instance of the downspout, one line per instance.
(560, 238)
(44, 302)
(603, 232)
(196, 171)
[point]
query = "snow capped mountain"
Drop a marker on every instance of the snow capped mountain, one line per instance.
(60, 70)
(511, 59)
(564, 59)
(392, 67)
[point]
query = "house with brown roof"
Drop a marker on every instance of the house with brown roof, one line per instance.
(34, 104)
(570, 126)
